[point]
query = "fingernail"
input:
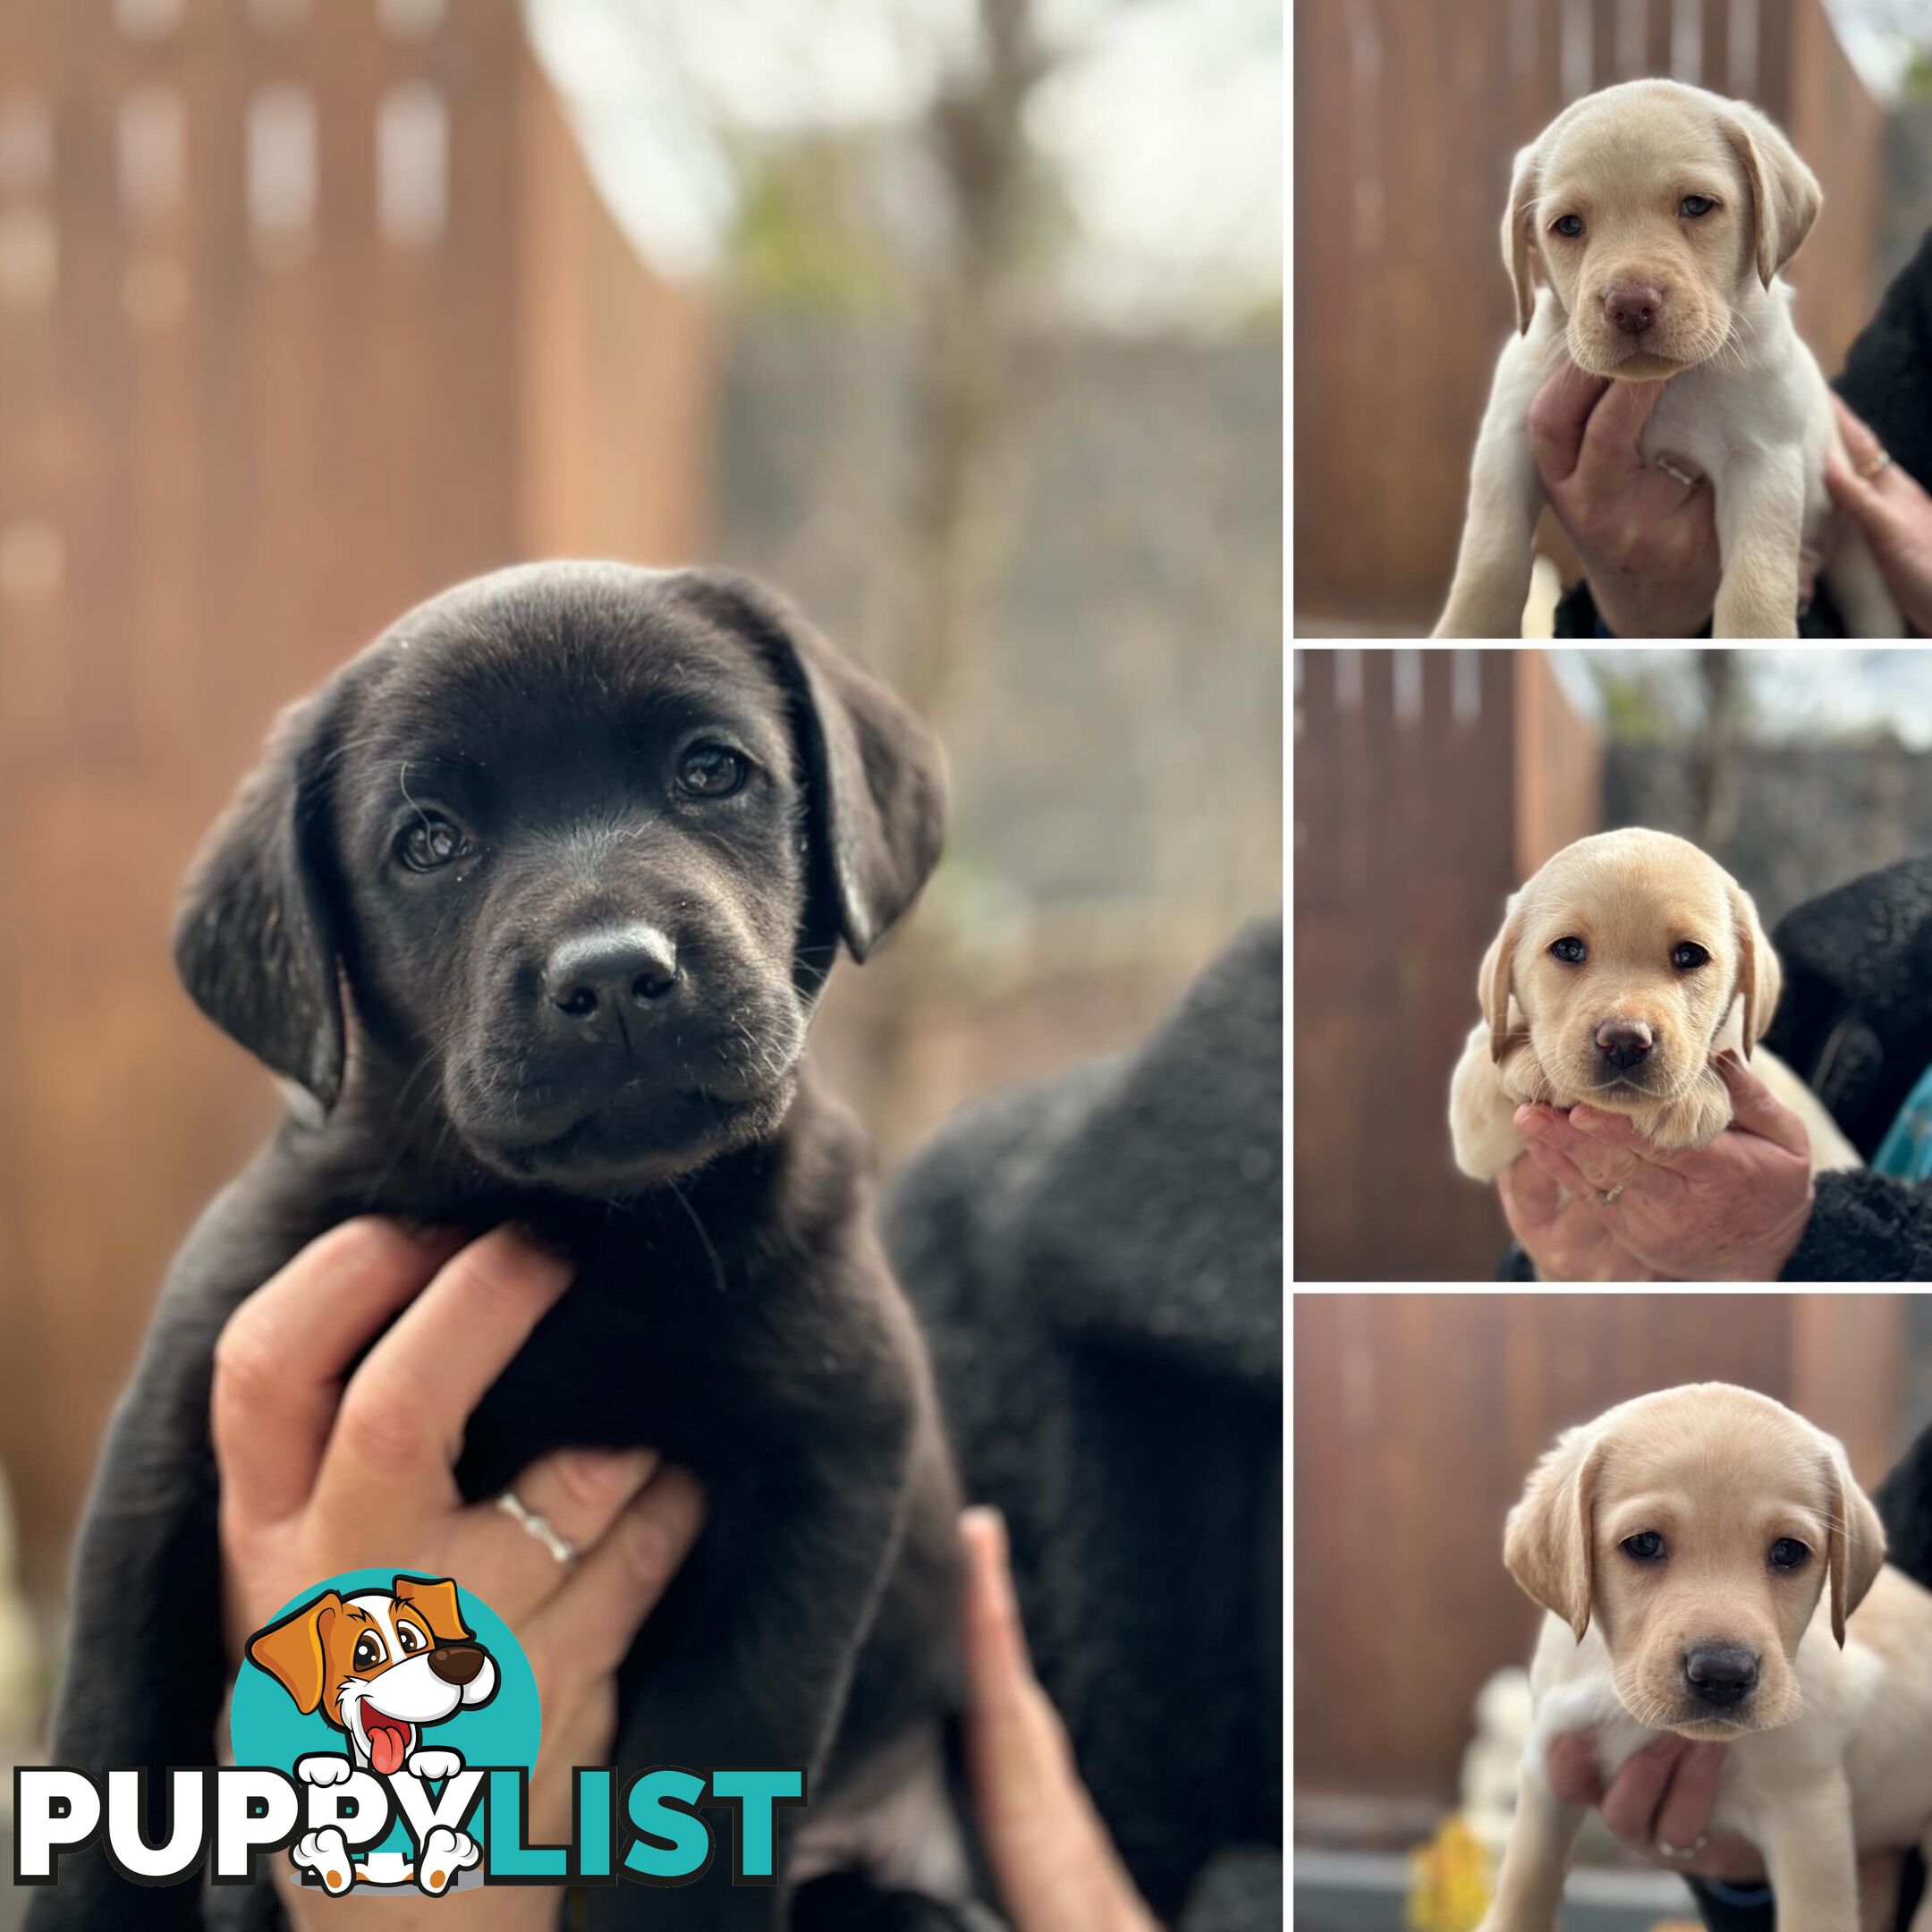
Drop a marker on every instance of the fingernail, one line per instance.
(1667, 1746)
(1523, 1115)
(990, 1549)
(1706, 1753)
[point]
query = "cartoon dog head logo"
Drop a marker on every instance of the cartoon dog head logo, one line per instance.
(379, 1664)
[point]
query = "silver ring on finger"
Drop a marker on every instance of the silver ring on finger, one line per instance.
(1671, 469)
(1877, 466)
(1683, 1853)
(1611, 1195)
(539, 1526)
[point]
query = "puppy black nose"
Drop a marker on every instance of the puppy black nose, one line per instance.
(1632, 306)
(626, 966)
(1720, 1673)
(456, 1662)
(1622, 1042)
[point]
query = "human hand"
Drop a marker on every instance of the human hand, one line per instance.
(1648, 541)
(1732, 1211)
(1661, 1797)
(1052, 1860)
(317, 1477)
(1894, 513)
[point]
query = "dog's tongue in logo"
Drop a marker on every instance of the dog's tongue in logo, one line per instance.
(388, 1741)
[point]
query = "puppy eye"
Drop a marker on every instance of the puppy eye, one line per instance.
(1788, 1554)
(430, 842)
(712, 771)
(368, 1651)
(1694, 205)
(1689, 954)
(410, 1638)
(1646, 1546)
(1569, 226)
(1570, 951)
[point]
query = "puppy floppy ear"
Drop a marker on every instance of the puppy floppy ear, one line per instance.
(292, 1651)
(1548, 1542)
(1525, 184)
(254, 942)
(1855, 1542)
(1786, 195)
(874, 774)
(1496, 978)
(1760, 979)
(442, 1607)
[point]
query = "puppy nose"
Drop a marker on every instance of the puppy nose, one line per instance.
(1720, 1673)
(1622, 1042)
(456, 1662)
(625, 967)
(1632, 306)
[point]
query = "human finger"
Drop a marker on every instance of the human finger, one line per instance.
(1557, 416)
(1615, 427)
(1052, 1859)
(575, 1494)
(1684, 1815)
(1630, 1804)
(280, 1361)
(404, 1412)
(1571, 1762)
(588, 1626)
(1861, 440)
(1537, 1196)
(1757, 1110)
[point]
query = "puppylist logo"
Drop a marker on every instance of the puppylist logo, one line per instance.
(385, 1727)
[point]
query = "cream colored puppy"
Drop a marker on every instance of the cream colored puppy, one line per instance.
(1622, 967)
(1702, 1552)
(1661, 216)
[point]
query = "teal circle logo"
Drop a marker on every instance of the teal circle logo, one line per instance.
(407, 1680)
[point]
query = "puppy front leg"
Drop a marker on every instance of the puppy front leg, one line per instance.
(1494, 560)
(774, 1627)
(1529, 1886)
(1810, 1856)
(1482, 1116)
(1760, 525)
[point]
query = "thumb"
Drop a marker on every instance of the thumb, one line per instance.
(1757, 1110)
(1856, 496)
(1617, 424)
(1531, 1198)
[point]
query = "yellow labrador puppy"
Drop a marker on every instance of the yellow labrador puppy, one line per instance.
(1702, 1552)
(1622, 968)
(1661, 216)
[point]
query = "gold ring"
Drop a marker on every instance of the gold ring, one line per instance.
(1610, 1195)
(1877, 465)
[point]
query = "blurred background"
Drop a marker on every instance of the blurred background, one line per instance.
(1421, 1416)
(1407, 119)
(960, 319)
(1429, 784)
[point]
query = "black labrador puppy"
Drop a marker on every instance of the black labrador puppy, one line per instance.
(532, 902)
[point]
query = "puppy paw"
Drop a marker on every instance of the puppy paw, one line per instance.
(438, 1765)
(444, 1853)
(326, 1853)
(324, 1769)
